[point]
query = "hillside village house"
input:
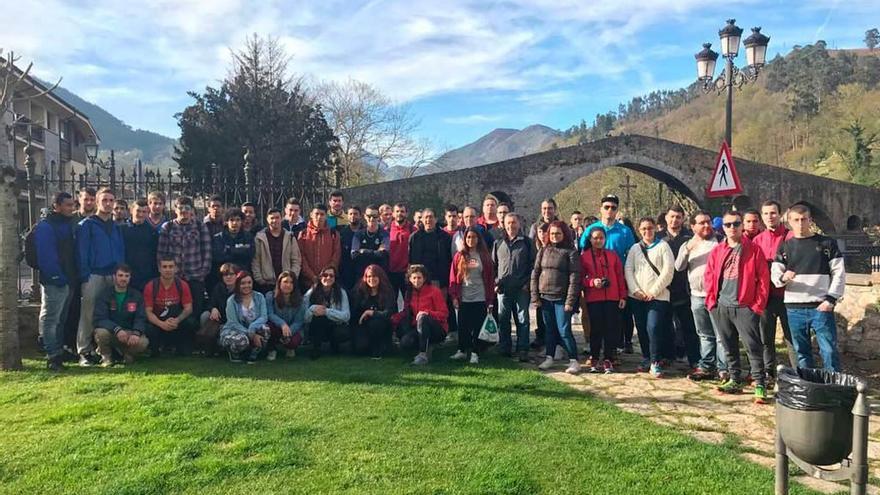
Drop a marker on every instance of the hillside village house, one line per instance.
(58, 133)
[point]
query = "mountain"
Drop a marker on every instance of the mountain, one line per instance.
(154, 149)
(498, 145)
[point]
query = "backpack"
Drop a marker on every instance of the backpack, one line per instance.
(30, 246)
(155, 286)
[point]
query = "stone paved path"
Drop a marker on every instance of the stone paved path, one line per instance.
(698, 410)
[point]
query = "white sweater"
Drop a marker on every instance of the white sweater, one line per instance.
(641, 277)
(695, 264)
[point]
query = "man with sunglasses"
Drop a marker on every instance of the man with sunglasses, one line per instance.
(737, 283)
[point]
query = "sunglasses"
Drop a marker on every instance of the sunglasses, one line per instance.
(609, 207)
(732, 225)
(328, 275)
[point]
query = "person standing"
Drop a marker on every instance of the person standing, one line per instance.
(692, 259)
(293, 220)
(188, 242)
(429, 246)
(169, 306)
(737, 285)
(336, 215)
(120, 212)
(555, 288)
(489, 220)
(318, 246)
(399, 233)
(576, 224)
(100, 249)
(231, 245)
(275, 251)
(347, 275)
(214, 220)
(386, 215)
(472, 289)
(684, 340)
(56, 260)
(370, 245)
(604, 291)
(88, 205)
(119, 319)
(810, 268)
(157, 217)
(751, 224)
(514, 257)
(141, 242)
(649, 268)
(768, 241)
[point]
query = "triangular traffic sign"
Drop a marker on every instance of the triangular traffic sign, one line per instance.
(725, 180)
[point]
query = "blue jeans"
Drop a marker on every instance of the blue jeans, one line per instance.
(651, 326)
(711, 347)
(53, 316)
(558, 323)
(517, 305)
(801, 321)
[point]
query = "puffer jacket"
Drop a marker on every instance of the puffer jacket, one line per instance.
(319, 248)
(557, 275)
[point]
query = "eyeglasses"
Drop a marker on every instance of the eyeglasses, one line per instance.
(609, 207)
(328, 275)
(732, 225)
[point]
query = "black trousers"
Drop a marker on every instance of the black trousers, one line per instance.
(470, 319)
(681, 321)
(323, 329)
(427, 331)
(180, 339)
(373, 337)
(733, 325)
(775, 310)
(604, 319)
(398, 284)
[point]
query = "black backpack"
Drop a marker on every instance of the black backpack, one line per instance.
(30, 247)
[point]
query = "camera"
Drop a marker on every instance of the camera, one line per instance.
(605, 282)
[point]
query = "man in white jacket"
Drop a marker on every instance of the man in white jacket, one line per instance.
(692, 257)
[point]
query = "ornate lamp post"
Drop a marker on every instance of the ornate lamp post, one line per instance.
(756, 55)
(92, 154)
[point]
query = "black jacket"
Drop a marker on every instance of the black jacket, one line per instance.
(238, 249)
(130, 316)
(141, 242)
(679, 288)
(434, 250)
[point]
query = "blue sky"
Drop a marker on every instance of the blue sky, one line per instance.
(464, 67)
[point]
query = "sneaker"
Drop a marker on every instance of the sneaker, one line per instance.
(699, 374)
(760, 394)
(524, 356)
(644, 366)
(558, 355)
(546, 364)
(723, 376)
(55, 364)
(474, 358)
(420, 360)
(271, 355)
(574, 367)
(252, 357)
(85, 362)
(458, 356)
(290, 354)
(657, 369)
(234, 357)
(593, 365)
(609, 366)
(537, 344)
(106, 361)
(730, 387)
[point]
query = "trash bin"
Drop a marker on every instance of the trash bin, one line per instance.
(814, 414)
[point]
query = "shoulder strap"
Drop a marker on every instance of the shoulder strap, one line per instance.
(648, 259)
(155, 286)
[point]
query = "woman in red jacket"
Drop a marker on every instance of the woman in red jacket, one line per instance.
(472, 290)
(604, 290)
(423, 319)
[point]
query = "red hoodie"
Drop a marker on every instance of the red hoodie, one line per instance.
(769, 241)
(754, 276)
(400, 246)
(319, 249)
(455, 282)
(602, 264)
(429, 299)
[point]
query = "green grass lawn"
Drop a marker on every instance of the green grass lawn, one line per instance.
(340, 425)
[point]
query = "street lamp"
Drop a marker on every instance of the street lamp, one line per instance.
(756, 54)
(110, 165)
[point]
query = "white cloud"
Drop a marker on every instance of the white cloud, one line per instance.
(476, 118)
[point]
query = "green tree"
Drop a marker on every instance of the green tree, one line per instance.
(872, 38)
(859, 161)
(261, 108)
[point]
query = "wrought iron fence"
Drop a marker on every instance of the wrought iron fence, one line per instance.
(234, 188)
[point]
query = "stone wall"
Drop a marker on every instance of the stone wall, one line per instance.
(858, 321)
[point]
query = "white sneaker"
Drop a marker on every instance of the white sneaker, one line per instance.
(271, 355)
(458, 356)
(546, 364)
(574, 367)
(474, 358)
(290, 353)
(558, 354)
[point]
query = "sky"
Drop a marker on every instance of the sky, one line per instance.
(463, 67)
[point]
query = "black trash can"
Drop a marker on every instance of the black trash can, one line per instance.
(814, 414)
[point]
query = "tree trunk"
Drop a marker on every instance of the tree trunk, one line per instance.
(10, 351)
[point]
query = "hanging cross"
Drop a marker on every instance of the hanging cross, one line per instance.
(626, 187)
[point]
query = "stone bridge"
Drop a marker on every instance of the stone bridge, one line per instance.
(837, 206)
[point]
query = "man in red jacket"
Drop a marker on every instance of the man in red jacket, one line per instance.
(768, 241)
(400, 230)
(737, 283)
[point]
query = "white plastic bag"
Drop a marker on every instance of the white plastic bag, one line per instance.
(489, 330)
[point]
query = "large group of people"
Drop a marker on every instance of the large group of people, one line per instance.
(119, 281)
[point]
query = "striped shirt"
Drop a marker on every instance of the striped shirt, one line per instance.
(819, 272)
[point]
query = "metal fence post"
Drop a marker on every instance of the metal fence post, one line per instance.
(30, 169)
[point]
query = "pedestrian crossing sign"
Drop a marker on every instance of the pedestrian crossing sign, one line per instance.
(725, 180)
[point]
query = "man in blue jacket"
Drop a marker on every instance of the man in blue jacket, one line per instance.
(58, 271)
(100, 248)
